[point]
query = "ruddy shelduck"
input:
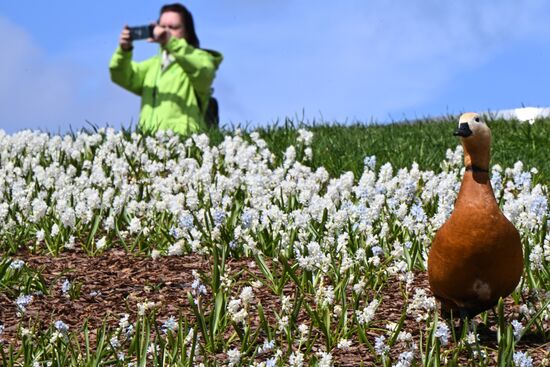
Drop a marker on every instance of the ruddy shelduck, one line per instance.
(476, 256)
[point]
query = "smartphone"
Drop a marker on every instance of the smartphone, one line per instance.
(141, 32)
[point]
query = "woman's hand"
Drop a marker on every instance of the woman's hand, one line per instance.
(125, 41)
(161, 35)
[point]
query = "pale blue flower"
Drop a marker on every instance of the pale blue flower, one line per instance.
(61, 326)
(518, 328)
(186, 221)
(23, 301)
(370, 162)
(174, 232)
(442, 332)
(377, 250)
(380, 345)
(521, 359)
(170, 325)
(219, 217)
(523, 179)
(66, 286)
(405, 359)
(539, 206)
(17, 264)
(115, 343)
(246, 219)
(417, 212)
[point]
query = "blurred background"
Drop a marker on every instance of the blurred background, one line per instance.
(367, 61)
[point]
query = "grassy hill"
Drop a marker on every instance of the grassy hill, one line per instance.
(340, 148)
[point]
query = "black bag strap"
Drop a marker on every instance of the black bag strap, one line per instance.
(212, 115)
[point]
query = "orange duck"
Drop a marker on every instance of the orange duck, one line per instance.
(476, 256)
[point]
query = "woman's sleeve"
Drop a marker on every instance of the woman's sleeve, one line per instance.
(199, 64)
(128, 74)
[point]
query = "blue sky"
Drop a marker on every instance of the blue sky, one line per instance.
(341, 61)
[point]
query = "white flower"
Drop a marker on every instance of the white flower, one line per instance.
(267, 346)
(344, 344)
(101, 243)
(153, 348)
(472, 338)
(237, 313)
(135, 225)
(283, 323)
(55, 230)
(70, 245)
(176, 249)
(155, 254)
(367, 314)
(296, 359)
(197, 288)
(404, 336)
(525, 310)
(285, 303)
(536, 257)
(40, 235)
(305, 136)
(324, 296)
(421, 305)
(247, 295)
(145, 306)
(123, 322)
(326, 359)
(234, 306)
(55, 336)
(308, 154)
(234, 356)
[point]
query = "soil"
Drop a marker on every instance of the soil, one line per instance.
(113, 283)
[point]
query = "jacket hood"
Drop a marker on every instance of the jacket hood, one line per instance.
(218, 57)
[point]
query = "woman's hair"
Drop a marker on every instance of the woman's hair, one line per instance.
(187, 19)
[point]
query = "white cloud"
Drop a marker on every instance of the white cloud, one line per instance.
(345, 60)
(358, 59)
(38, 90)
(29, 86)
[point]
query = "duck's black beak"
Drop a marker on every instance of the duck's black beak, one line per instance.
(463, 130)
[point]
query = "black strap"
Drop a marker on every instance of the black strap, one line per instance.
(476, 169)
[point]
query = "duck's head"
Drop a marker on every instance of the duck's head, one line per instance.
(475, 137)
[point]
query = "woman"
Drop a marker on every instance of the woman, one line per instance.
(175, 85)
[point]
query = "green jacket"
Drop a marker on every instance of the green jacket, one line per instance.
(175, 98)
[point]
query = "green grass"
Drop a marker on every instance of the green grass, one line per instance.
(323, 306)
(340, 148)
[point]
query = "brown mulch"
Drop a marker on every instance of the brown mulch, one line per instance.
(113, 283)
